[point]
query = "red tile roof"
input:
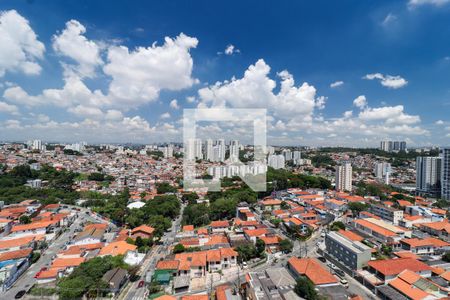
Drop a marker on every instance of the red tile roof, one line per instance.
(312, 269)
(389, 267)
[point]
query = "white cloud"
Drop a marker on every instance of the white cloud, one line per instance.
(20, 48)
(190, 99)
(360, 102)
(72, 43)
(415, 3)
(165, 115)
(389, 81)
(439, 122)
(139, 75)
(174, 104)
(8, 108)
(113, 115)
(231, 49)
(391, 114)
(85, 111)
(336, 84)
(255, 90)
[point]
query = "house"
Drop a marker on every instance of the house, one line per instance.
(312, 269)
(195, 297)
(427, 246)
(84, 250)
(219, 226)
(143, 231)
(117, 248)
(272, 243)
(270, 204)
(49, 275)
(91, 234)
(34, 228)
(336, 205)
(67, 264)
(383, 232)
(17, 244)
(12, 265)
(387, 269)
(440, 228)
(115, 278)
(252, 234)
(196, 264)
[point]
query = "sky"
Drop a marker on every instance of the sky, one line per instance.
(329, 73)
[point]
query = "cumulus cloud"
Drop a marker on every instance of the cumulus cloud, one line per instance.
(8, 108)
(439, 122)
(231, 49)
(256, 90)
(140, 74)
(336, 84)
(72, 43)
(389, 81)
(20, 49)
(165, 115)
(360, 102)
(174, 104)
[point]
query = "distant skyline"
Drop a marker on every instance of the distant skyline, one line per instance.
(329, 73)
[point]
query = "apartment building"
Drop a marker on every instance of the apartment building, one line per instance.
(352, 254)
(387, 213)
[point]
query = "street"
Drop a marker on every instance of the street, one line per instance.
(27, 280)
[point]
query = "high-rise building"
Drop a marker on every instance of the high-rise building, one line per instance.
(221, 150)
(209, 150)
(428, 175)
(296, 155)
(445, 173)
(390, 146)
(37, 145)
(234, 150)
(287, 154)
(193, 149)
(344, 177)
(276, 161)
(381, 169)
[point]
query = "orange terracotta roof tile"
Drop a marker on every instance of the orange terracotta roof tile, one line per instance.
(167, 265)
(67, 262)
(195, 297)
(351, 235)
(219, 224)
(117, 248)
(143, 228)
(23, 241)
(188, 228)
(390, 267)
(312, 269)
(16, 254)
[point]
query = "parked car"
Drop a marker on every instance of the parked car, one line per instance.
(20, 294)
(339, 272)
(141, 283)
(331, 265)
(344, 283)
(322, 259)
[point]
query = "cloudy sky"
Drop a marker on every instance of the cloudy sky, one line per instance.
(328, 72)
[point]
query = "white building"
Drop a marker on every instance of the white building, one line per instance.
(428, 175)
(234, 150)
(276, 161)
(193, 149)
(344, 177)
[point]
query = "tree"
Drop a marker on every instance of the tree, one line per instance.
(260, 247)
(96, 176)
(284, 205)
(446, 257)
(165, 187)
(246, 252)
(357, 207)
(337, 225)
(178, 248)
(286, 246)
(24, 219)
(190, 198)
(305, 289)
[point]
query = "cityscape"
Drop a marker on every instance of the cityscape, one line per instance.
(149, 151)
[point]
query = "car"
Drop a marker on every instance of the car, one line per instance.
(344, 282)
(322, 259)
(141, 283)
(331, 265)
(20, 294)
(339, 272)
(322, 234)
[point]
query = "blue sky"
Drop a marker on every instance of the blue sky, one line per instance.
(87, 70)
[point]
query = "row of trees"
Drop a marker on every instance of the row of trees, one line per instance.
(87, 278)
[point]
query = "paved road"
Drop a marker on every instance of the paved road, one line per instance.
(26, 280)
(132, 292)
